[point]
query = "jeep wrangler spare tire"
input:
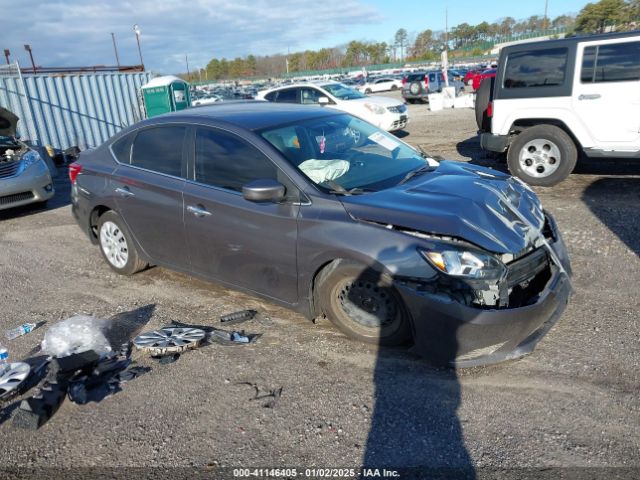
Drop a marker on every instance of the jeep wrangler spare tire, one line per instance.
(542, 155)
(484, 95)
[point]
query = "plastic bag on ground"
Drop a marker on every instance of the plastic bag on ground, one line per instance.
(76, 334)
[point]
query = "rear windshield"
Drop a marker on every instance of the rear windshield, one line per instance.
(412, 77)
(536, 68)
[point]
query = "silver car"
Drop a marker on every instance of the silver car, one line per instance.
(24, 176)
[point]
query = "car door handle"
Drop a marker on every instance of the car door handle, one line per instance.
(591, 96)
(198, 211)
(125, 192)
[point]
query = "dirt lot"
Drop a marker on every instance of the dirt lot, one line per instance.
(573, 403)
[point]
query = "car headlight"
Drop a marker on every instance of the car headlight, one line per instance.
(375, 108)
(464, 263)
(30, 157)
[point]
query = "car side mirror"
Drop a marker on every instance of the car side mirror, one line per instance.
(324, 100)
(264, 190)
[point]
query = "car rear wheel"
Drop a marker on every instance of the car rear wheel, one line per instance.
(363, 304)
(394, 87)
(367, 91)
(116, 245)
(543, 155)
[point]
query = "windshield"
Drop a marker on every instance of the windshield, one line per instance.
(341, 153)
(343, 92)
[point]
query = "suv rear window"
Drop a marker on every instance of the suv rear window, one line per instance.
(415, 77)
(618, 62)
(536, 68)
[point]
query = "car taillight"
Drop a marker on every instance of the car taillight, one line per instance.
(490, 109)
(74, 169)
(404, 80)
(426, 81)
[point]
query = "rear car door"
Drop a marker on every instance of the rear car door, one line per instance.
(148, 192)
(606, 94)
(243, 243)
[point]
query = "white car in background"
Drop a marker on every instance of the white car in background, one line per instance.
(386, 113)
(206, 100)
(382, 84)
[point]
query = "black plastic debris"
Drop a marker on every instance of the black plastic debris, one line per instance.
(85, 361)
(40, 407)
(267, 395)
(238, 317)
(224, 337)
(166, 359)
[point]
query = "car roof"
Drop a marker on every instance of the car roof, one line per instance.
(569, 41)
(251, 115)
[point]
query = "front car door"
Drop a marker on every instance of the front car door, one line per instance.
(606, 93)
(230, 239)
(148, 191)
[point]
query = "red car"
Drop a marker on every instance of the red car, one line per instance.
(479, 77)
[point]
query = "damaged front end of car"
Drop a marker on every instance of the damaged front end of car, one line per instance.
(499, 274)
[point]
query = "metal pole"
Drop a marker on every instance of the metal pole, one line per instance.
(140, 51)
(186, 58)
(545, 21)
(33, 64)
(115, 48)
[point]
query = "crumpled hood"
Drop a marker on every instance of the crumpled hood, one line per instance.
(459, 200)
(8, 123)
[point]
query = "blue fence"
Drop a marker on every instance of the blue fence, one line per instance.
(63, 110)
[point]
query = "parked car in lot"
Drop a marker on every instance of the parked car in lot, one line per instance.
(24, 176)
(551, 100)
(382, 84)
(479, 77)
(386, 113)
(322, 212)
(418, 86)
(205, 100)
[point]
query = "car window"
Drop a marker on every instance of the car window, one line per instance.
(611, 63)
(432, 77)
(289, 95)
(536, 68)
(122, 148)
(310, 95)
(159, 149)
(225, 160)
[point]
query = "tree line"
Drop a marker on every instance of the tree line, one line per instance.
(462, 40)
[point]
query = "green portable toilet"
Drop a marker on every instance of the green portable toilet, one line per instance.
(165, 94)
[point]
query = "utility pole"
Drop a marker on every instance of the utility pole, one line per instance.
(545, 21)
(115, 49)
(33, 64)
(136, 29)
(186, 59)
(6, 55)
(445, 58)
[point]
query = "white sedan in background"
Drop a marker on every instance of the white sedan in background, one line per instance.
(382, 84)
(386, 113)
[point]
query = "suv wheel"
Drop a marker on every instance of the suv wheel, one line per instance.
(116, 245)
(367, 91)
(542, 155)
(415, 88)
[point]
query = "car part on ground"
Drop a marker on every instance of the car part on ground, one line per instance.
(169, 340)
(13, 378)
(224, 337)
(238, 317)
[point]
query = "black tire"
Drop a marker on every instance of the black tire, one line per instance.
(394, 88)
(410, 100)
(133, 262)
(553, 139)
(484, 95)
(363, 304)
(367, 91)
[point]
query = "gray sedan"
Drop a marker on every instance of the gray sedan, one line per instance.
(328, 215)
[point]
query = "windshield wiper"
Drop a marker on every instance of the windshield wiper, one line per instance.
(418, 171)
(338, 189)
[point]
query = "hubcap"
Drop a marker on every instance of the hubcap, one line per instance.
(114, 245)
(540, 158)
(367, 304)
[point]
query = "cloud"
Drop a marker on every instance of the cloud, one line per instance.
(75, 32)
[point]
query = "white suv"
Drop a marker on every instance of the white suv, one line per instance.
(550, 100)
(383, 112)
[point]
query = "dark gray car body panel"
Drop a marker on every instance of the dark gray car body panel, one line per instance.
(277, 250)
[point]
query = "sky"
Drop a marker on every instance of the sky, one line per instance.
(78, 33)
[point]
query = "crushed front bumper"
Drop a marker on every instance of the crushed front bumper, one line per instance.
(448, 332)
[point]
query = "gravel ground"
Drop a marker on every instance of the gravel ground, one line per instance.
(573, 403)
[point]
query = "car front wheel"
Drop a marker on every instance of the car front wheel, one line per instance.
(543, 155)
(116, 245)
(363, 304)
